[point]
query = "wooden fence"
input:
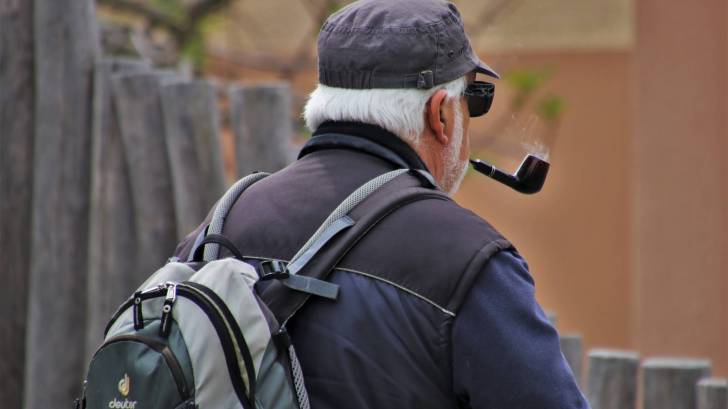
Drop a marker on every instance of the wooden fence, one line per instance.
(618, 379)
(106, 163)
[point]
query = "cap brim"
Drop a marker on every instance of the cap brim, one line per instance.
(483, 68)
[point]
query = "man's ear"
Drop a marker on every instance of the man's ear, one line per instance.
(436, 117)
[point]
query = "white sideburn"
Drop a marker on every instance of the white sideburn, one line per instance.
(455, 169)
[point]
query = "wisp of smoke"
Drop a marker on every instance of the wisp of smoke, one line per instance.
(531, 132)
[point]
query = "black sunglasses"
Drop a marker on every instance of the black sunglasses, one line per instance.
(480, 97)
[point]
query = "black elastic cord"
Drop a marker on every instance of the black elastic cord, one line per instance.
(217, 239)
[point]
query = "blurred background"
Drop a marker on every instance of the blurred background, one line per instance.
(628, 99)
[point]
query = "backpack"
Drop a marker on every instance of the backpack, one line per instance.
(202, 334)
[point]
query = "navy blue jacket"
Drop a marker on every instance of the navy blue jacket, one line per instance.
(435, 310)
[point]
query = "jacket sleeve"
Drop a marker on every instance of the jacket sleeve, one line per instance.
(505, 352)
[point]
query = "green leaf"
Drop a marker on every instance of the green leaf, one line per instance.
(194, 50)
(551, 107)
(526, 80)
(173, 8)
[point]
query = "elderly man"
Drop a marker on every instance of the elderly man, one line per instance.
(436, 309)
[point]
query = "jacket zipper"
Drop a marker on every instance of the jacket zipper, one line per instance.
(229, 333)
(171, 361)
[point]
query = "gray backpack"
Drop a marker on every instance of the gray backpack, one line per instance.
(198, 334)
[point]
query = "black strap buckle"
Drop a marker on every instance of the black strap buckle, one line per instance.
(272, 269)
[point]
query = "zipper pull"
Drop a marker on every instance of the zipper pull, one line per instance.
(80, 403)
(138, 317)
(154, 288)
(169, 300)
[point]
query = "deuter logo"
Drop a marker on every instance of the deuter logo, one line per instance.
(126, 404)
(125, 385)
(124, 388)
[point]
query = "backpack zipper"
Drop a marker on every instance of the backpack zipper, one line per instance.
(231, 337)
(135, 301)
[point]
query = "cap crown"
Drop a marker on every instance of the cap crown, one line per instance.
(395, 44)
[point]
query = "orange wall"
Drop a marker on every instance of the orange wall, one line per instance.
(628, 241)
(575, 233)
(679, 198)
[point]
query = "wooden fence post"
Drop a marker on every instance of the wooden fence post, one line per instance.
(573, 350)
(65, 50)
(111, 233)
(669, 383)
(192, 127)
(138, 105)
(552, 317)
(16, 185)
(261, 120)
(612, 379)
(712, 394)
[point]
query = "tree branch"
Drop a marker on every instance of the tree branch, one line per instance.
(182, 31)
(205, 8)
(152, 15)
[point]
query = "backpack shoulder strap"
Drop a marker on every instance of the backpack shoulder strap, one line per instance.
(340, 232)
(221, 211)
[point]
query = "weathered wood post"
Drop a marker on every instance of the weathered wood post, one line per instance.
(16, 186)
(552, 317)
(573, 350)
(669, 383)
(192, 127)
(612, 379)
(261, 120)
(65, 50)
(112, 250)
(712, 394)
(138, 105)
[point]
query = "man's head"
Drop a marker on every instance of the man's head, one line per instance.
(402, 65)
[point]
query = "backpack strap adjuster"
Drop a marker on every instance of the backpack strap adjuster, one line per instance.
(272, 269)
(278, 270)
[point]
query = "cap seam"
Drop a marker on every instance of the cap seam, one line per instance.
(334, 28)
(413, 75)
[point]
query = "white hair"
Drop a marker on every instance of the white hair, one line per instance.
(400, 111)
(455, 167)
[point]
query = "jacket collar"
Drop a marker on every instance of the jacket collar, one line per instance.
(367, 138)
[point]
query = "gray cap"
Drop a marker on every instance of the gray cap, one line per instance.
(395, 44)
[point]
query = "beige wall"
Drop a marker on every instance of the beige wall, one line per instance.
(575, 233)
(679, 198)
(628, 242)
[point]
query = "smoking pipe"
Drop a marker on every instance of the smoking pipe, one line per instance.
(529, 178)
